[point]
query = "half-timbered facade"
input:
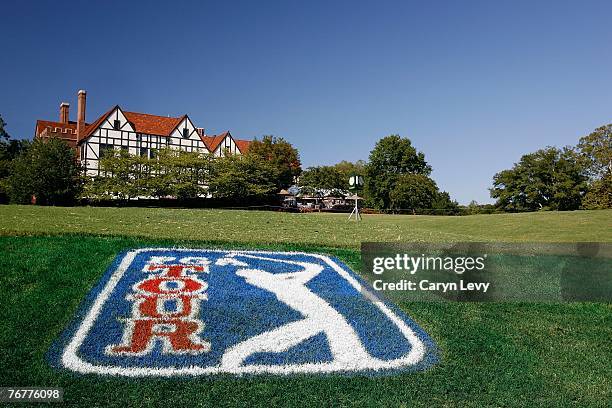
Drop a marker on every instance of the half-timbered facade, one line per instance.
(137, 133)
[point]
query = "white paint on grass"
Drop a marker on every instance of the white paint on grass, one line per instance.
(319, 317)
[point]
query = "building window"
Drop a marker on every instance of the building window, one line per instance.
(125, 149)
(153, 153)
(185, 133)
(116, 124)
(144, 152)
(106, 150)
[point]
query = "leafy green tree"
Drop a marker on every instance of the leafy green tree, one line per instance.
(12, 148)
(550, 178)
(242, 179)
(3, 134)
(9, 150)
(599, 195)
(281, 154)
(180, 174)
(392, 157)
(331, 177)
(190, 174)
(413, 192)
(474, 208)
(323, 177)
(596, 148)
(443, 205)
(174, 173)
(348, 168)
(118, 179)
(48, 171)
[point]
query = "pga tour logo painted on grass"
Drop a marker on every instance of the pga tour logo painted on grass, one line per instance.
(179, 312)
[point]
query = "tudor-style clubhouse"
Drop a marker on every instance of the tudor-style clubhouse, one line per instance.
(138, 133)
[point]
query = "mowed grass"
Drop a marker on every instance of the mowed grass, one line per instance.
(265, 227)
(492, 354)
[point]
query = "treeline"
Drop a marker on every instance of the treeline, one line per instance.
(569, 178)
(397, 176)
(397, 179)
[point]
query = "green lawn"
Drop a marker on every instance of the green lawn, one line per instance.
(493, 354)
(314, 229)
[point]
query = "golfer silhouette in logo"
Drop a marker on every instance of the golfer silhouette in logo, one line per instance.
(319, 317)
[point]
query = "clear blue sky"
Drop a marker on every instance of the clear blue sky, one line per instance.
(473, 84)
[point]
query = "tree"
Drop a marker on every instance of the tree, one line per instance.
(348, 168)
(10, 149)
(599, 195)
(473, 208)
(119, 178)
(413, 192)
(48, 171)
(334, 177)
(392, 157)
(550, 178)
(191, 174)
(281, 154)
(3, 134)
(596, 149)
(323, 177)
(242, 179)
(180, 174)
(442, 204)
(172, 172)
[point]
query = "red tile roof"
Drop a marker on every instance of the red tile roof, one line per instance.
(142, 122)
(64, 131)
(44, 124)
(212, 142)
(153, 124)
(243, 145)
(89, 129)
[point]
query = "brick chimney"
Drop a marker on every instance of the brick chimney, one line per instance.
(64, 112)
(82, 100)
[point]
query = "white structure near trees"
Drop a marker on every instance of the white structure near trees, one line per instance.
(137, 133)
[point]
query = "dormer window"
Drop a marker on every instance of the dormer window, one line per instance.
(116, 124)
(185, 133)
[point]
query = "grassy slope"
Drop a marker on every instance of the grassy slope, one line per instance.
(492, 354)
(313, 229)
